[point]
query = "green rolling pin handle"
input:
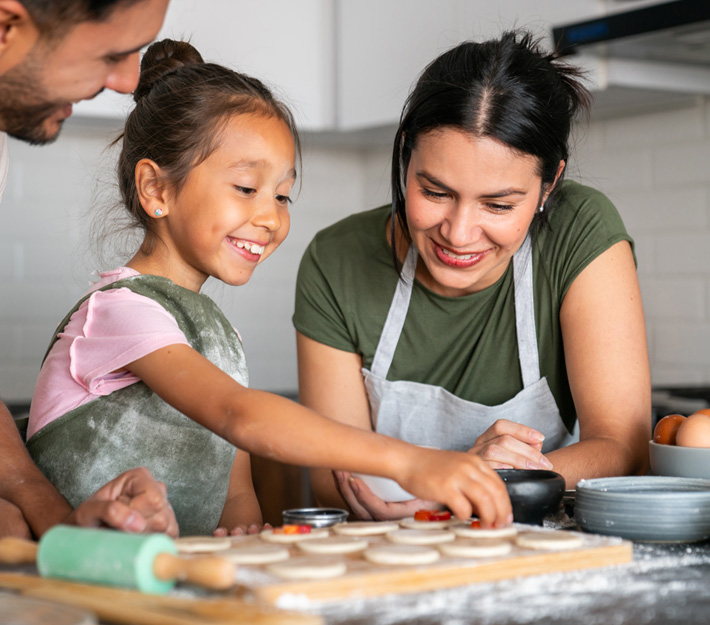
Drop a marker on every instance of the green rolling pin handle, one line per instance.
(147, 562)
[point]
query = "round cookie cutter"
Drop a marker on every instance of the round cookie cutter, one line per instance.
(315, 517)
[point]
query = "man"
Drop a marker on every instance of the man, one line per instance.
(54, 53)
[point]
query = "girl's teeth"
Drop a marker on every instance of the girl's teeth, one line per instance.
(457, 256)
(251, 247)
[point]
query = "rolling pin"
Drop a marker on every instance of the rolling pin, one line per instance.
(148, 562)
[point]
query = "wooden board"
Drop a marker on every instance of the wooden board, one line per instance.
(364, 579)
(26, 611)
(128, 607)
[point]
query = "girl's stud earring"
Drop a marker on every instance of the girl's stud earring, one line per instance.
(158, 212)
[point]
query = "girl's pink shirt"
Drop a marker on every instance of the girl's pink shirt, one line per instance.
(110, 330)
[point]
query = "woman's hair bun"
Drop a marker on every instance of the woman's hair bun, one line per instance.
(161, 58)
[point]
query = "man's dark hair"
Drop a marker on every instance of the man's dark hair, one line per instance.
(54, 17)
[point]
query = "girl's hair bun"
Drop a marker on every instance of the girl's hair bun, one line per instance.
(161, 58)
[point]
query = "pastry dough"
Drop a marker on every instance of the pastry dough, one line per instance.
(256, 554)
(401, 554)
(270, 537)
(365, 528)
(466, 531)
(420, 537)
(308, 568)
(549, 541)
(334, 544)
(202, 544)
(476, 548)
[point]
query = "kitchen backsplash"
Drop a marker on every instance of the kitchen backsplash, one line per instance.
(655, 167)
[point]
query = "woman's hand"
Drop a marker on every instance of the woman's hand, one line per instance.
(510, 445)
(367, 506)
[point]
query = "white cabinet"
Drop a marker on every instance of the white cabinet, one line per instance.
(383, 45)
(343, 64)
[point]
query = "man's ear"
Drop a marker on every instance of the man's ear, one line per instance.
(152, 191)
(18, 33)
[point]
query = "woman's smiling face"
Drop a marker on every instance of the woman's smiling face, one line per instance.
(469, 204)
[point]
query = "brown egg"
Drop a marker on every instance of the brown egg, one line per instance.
(694, 431)
(667, 428)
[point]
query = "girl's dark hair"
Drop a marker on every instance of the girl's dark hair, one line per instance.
(182, 106)
(507, 89)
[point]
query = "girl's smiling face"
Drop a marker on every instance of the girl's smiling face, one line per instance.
(469, 204)
(233, 210)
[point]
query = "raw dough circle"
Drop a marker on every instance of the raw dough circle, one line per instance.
(549, 540)
(308, 568)
(401, 554)
(466, 531)
(256, 554)
(412, 523)
(365, 528)
(270, 537)
(334, 544)
(420, 537)
(202, 544)
(476, 548)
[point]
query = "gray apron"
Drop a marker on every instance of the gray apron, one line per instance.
(82, 450)
(424, 414)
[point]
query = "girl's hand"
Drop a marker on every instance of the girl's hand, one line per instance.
(369, 507)
(510, 445)
(241, 530)
(464, 482)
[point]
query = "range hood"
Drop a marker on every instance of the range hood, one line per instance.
(648, 56)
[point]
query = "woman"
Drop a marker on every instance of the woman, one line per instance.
(492, 307)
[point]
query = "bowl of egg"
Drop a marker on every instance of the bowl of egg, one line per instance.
(681, 445)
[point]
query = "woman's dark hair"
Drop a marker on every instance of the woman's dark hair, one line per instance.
(182, 106)
(507, 89)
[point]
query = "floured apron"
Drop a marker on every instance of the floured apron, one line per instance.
(82, 450)
(424, 414)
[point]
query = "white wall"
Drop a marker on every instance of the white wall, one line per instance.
(655, 167)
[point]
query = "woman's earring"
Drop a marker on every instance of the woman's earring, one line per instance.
(158, 212)
(539, 210)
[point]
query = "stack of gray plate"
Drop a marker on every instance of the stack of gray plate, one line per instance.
(648, 508)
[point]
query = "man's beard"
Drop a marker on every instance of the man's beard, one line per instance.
(23, 106)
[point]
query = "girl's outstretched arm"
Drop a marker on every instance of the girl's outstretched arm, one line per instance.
(274, 427)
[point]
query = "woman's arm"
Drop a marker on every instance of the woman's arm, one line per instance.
(607, 364)
(241, 513)
(274, 427)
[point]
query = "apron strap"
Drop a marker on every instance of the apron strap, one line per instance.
(525, 313)
(395, 317)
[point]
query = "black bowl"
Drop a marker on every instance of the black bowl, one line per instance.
(533, 494)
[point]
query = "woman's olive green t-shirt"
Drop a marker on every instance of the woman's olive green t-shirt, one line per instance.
(468, 344)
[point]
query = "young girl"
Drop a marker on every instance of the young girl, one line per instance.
(147, 371)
